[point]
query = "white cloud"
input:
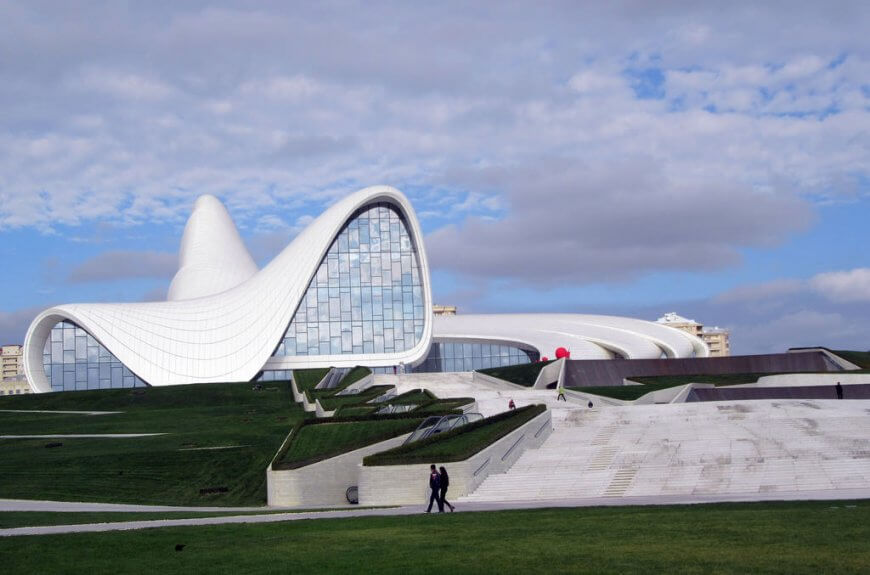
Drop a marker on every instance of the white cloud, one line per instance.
(119, 265)
(521, 113)
(844, 286)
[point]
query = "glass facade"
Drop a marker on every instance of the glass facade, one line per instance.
(274, 375)
(367, 294)
(468, 356)
(74, 360)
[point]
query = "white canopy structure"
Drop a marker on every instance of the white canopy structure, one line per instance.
(351, 289)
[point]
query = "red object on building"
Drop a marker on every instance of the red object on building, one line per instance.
(545, 358)
(562, 352)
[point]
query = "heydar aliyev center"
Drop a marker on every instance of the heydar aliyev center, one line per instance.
(352, 289)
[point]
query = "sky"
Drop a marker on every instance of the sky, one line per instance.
(626, 158)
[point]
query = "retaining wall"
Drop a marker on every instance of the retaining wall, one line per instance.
(409, 484)
(323, 483)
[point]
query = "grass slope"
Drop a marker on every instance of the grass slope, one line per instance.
(457, 444)
(657, 382)
(170, 469)
(789, 537)
(320, 440)
(524, 374)
(308, 378)
(859, 358)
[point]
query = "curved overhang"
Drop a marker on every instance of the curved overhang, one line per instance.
(585, 336)
(229, 336)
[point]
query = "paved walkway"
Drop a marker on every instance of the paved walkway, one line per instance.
(343, 513)
(59, 411)
(81, 436)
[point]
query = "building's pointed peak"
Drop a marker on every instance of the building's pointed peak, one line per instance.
(212, 258)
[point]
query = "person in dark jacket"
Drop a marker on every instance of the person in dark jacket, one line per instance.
(445, 483)
(435, 486)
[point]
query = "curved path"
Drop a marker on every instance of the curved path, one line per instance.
(341, 513)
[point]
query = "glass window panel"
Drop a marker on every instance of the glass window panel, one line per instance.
(372, 251)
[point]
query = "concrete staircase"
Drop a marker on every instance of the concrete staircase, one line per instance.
(689, 449)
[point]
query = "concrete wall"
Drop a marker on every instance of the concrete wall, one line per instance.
(798, 379)
(551, 373)
(476, 376)
(409, 484)
(323, 483)
(676, 394)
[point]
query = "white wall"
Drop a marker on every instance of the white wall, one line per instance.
(323, 483)
(409, 484)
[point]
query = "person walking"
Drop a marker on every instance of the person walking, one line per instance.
(511, 404)
(435, 486)
(445, 483)
(839, 391)
(561, 394)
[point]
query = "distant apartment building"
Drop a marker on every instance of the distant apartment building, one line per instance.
(12, 364)
(716, 338)
(443, 310)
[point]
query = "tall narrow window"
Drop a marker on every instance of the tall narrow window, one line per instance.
(366, 296)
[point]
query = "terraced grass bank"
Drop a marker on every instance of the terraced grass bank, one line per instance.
(316, 440)
(524, 374)
(790, 537)
(457, 444)
(654, 383)
(219, 440)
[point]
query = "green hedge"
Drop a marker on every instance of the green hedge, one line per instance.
(457, 444)
(445, 406)
(355, 410)
(415, 396)
(331, 401)
(308, 378)
(524, 374)
(315, 440)
(859, 358)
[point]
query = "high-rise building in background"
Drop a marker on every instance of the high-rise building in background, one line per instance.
(443, 310)
(716, 338)
(13, 380)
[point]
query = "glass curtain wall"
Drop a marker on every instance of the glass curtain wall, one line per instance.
(367, 294)
(468, 356)
(73, 360)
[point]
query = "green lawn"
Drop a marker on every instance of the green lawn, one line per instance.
(320, 440)
(308, 378)
(457, 444)
(178, 468)
(791, 537)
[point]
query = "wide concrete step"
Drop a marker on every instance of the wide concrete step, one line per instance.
(753, 447)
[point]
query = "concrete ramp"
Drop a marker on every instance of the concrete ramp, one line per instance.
(755, 447)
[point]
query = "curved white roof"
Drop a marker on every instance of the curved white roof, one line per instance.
(224, 318)
(226, 336)
(585, 336)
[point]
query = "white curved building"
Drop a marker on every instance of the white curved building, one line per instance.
(351, 289)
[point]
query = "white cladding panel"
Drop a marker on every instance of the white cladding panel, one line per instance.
(227, 336)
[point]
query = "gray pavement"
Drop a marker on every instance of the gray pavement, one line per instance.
(341, 513)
